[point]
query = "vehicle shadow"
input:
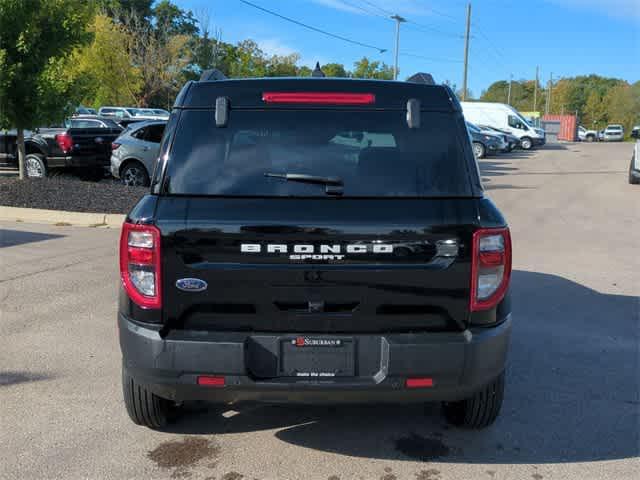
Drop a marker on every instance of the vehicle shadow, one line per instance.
(10, 238)
(572, 394)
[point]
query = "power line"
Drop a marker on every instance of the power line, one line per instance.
(315, 29)
(377, 7)
(429, 29)
(441, 14)
(365, 10)
(431, 59)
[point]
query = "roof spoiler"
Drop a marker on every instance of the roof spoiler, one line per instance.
(212, 75)
(420, 77)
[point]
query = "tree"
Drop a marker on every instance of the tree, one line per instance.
(37, 38)
(365, 68)
(247, 60)
(282, 65)
(160, 58)
(595, 111)
(105, 66)
(173, 20)
(334, 70)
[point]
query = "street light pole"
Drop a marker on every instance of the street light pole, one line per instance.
(509, 94)
(398, 20)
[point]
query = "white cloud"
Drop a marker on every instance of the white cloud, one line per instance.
(340, 5)
(629, 9)
(273, 46)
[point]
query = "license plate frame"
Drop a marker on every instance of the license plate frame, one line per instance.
(317, 358)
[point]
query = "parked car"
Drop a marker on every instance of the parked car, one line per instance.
(511, 140)
(504, 117)
(613, 133)
(118, 112)
(81, 144)
(161, 113)
(587, 135)
(634, 166)
(85, 111)
(244, 275)
(134, 153)
(485, 143)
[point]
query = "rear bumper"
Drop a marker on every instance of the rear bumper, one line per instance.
(459, 363)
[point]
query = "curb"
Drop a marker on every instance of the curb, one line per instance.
(61, 218)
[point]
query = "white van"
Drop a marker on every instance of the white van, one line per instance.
(504, 117)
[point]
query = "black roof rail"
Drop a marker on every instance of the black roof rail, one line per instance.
(420, 77)
(212, 74)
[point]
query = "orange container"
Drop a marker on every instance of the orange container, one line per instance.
(568, 126)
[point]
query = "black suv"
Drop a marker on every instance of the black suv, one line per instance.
(316, 241)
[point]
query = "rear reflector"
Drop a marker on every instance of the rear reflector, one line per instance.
(319, 98)
(419, 382)
(208, 381)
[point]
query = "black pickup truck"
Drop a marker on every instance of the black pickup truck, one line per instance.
(81, 144)
(316, 241)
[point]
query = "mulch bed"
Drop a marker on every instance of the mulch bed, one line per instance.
(70, 194)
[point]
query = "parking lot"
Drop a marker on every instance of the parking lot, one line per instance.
(572, 407)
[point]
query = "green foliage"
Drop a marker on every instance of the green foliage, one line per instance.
(596, 100)
(105, 66)
(365, 68)
(173, 20)
(334, 70)
(37, 38)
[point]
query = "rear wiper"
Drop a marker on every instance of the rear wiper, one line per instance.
(334, 185)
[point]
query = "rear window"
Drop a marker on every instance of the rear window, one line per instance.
(373, 153)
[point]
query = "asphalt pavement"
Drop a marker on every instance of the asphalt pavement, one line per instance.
(572, 407)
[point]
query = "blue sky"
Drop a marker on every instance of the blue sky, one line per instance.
(566, 37)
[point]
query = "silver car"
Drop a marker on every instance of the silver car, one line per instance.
(135, 151)
(613, 133)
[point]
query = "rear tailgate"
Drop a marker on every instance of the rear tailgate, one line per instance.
(94, 142)
(317, 265)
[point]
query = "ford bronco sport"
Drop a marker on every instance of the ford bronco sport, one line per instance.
(316, 241)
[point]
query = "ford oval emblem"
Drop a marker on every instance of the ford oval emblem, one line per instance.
(191, 285)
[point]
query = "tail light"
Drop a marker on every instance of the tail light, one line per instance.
(64, 141)
(319, 98)
(490, 268)
(115, 146)
(140, 264)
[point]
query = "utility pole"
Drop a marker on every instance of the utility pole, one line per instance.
(466, 53)
(535, 92)
(398, 20)
(509, 94)
(550, 85)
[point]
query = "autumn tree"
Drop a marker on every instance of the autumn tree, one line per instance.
(335, 70)
(37, 39)
(109, 76)
(365, 68)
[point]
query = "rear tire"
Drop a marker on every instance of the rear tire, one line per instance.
(35, 165)
(144, 408)
(134, 174)
(479, 150)
(632, 180)
(478, 411)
